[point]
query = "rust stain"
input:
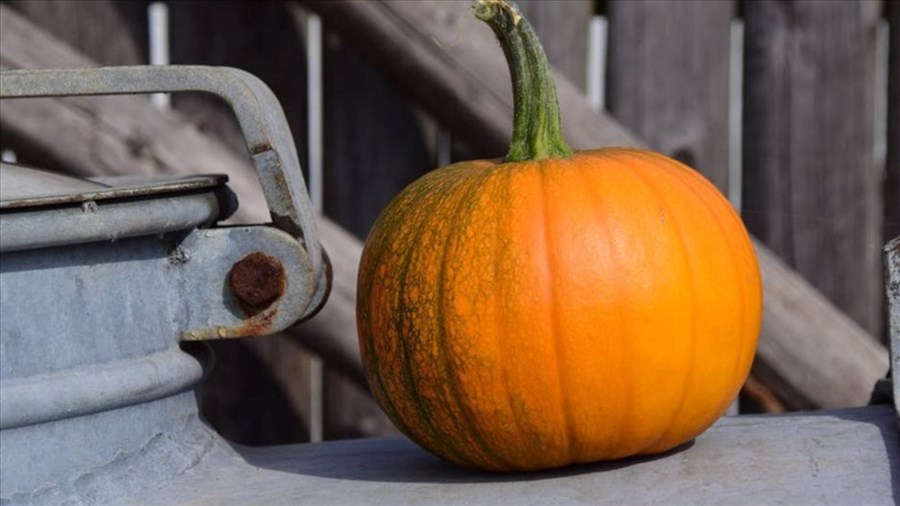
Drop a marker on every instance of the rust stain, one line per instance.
(257, 280)
(260, 148)
(259, 324)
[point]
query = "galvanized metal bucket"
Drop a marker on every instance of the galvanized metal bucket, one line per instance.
(101, 279)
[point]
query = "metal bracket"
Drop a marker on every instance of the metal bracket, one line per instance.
(258, 112)
(238, 288)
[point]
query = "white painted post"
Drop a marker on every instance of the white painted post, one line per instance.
(158, 21)
(735, 112)
(882, 35)
(735, 116)
(596, 62)
(314, 105)
(315, 149)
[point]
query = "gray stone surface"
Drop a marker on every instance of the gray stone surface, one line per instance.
(849, 456)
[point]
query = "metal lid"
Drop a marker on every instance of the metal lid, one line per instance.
(39, 208)
(22, 186)
(260, 116)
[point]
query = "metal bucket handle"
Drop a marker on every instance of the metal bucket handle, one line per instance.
(257, 110)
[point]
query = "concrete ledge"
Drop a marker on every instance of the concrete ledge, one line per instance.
(849, 456)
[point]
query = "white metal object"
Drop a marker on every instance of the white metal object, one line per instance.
(735, 113)
(880, 80)
(316, 150)
(596, 62)
(158, 25)
(314, 105)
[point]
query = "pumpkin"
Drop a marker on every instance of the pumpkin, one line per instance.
(555, 307)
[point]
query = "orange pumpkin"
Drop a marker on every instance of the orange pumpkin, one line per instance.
(556, 308)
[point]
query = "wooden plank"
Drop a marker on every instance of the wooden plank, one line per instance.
(797, 361)
(668, 75)
(892, 179)
(268, 47)
(811, 192)
(389, 148)
(112, 32)
(437, 54)
(562, 27)
(109, 21)
(126, 135)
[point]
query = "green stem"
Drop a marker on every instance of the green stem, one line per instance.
(537, 133)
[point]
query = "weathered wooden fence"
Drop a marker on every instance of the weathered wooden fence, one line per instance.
(812, 187)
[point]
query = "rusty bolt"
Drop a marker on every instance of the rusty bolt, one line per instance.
(257, 280)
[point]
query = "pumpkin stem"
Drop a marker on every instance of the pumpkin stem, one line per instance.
(537, 133)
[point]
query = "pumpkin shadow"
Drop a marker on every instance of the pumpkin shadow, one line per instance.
(774, 458)
(400, 460)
